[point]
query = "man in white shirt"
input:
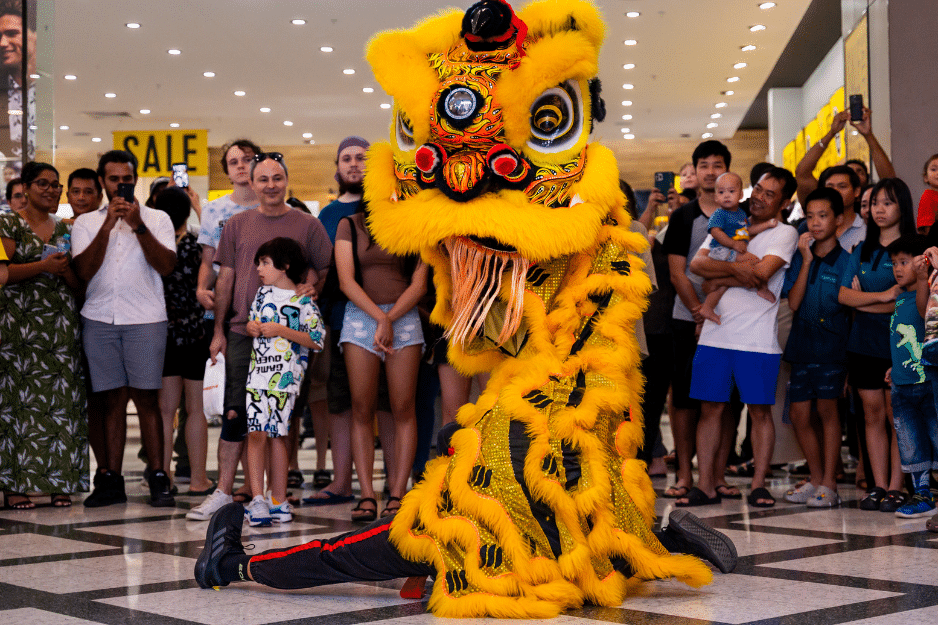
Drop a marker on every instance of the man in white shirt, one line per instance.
(743, 349)
(122, 250)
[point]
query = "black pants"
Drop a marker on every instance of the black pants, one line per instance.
(657, 371)
(362, 555)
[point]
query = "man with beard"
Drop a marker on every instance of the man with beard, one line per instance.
(13, 117)
(743, 349)
(350, 172)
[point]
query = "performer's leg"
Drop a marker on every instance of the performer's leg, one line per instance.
(363, 555)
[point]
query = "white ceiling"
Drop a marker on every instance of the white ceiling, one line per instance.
(685, 52)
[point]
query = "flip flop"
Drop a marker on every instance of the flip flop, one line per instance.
(388, 510)
(675, 492)
(696, 497)
(760, 493)
(725, 491)
(330, 499)
(367, 515)
(60, 500)
(241, 497)
(202, 493)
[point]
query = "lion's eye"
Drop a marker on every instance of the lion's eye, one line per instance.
(556, 118)
(405, 132)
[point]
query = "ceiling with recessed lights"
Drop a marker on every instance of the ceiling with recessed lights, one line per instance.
(286, 72)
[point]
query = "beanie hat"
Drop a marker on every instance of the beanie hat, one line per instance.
(346, 143)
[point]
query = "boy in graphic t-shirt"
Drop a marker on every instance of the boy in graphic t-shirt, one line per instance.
(913, 403)
(285, 327)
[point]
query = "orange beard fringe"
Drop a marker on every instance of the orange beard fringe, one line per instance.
(477, 281)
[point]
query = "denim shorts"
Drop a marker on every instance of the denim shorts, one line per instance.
(916, 422)
(816, 381)
(358, 328)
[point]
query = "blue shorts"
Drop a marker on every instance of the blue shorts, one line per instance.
(358, 328)
(716, 370)
(816, 381)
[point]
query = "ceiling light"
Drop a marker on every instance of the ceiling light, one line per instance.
(767, 5)
(630, 42)
(312, 142)
(325, 49)
(132, 25)
(209, 74)
(629, 136)
(739, 66)
(307, 135)
(632, 14)
(626, 130)
(348, 72)
(727, 92)
(626, 103)
(712, 125)
(298, 22)
(239, 93)
(35, 76)
(144, 111)
(720, 105)
(748, 48)
(63, 127)
(265, 109)
(174, 125)
(174, 51)
(716, 116)
(368, 90)
(628, 86)
(629, 66)
(287, 122)
(70, 77)
(706, 135)
(756, 28)
(385, 105)
(96, 139)
(733, 79)
(110, 95)
(626, 117)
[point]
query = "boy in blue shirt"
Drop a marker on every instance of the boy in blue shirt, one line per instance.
(816, 346)
(913, 402)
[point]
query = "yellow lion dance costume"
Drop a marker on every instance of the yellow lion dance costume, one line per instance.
(489, 176)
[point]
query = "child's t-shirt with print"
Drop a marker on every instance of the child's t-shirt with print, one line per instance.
(907, 330)
(278, 364)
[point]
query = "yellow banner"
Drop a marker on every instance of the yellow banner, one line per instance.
(157, 150)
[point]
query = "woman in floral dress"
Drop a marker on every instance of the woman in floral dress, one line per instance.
(43, 424)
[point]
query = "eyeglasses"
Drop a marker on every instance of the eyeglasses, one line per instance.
(44, 184)
(263, 156)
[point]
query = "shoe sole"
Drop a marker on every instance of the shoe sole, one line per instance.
(716, 544)
(916, 515)
(206, 575)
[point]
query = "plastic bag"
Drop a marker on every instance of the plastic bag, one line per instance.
(213, 388)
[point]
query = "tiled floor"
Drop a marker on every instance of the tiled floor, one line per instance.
(133, 564)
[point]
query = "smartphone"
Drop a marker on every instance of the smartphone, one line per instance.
(664, 180)
(181, 175)
(856, 108)
(49, 250)
(126, 191)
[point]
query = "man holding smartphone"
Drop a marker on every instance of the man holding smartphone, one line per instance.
(122, 250)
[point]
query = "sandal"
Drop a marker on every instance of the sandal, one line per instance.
(744, 469)
(388, 510)
(696, 497)
(873, 498)
(366, 515)
(728, 492)
(23, 502)
(241, 497)
(294, 479)
(894, 500)
(322, 478)
(61, 500)
(675, 492)
(761, 498)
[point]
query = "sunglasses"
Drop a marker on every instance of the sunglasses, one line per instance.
(263, 156)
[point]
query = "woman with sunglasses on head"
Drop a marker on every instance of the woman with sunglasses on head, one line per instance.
(43, 426)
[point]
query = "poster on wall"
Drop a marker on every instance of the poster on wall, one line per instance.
(857, 81)
(15, 119)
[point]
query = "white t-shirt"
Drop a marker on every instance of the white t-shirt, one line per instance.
(126, 290)
(276, 363)
(747, 321)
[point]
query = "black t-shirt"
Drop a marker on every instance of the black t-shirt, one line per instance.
(680, 228)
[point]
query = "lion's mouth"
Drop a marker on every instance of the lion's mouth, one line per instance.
(492, 244)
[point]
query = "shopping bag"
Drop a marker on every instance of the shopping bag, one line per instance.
(213, 388)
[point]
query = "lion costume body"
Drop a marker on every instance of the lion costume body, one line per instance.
(489, 177)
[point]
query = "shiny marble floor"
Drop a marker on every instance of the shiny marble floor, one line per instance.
(133, 564)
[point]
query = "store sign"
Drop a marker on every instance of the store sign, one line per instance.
(157, 150)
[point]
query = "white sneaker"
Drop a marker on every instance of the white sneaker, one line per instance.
(282, 513)
(212, 503)
(258, 513)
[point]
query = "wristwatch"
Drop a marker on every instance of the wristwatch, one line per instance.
(141, 229)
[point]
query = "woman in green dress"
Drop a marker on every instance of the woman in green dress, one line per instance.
(43, 424)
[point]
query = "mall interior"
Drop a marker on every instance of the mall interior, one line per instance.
(174, 81)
